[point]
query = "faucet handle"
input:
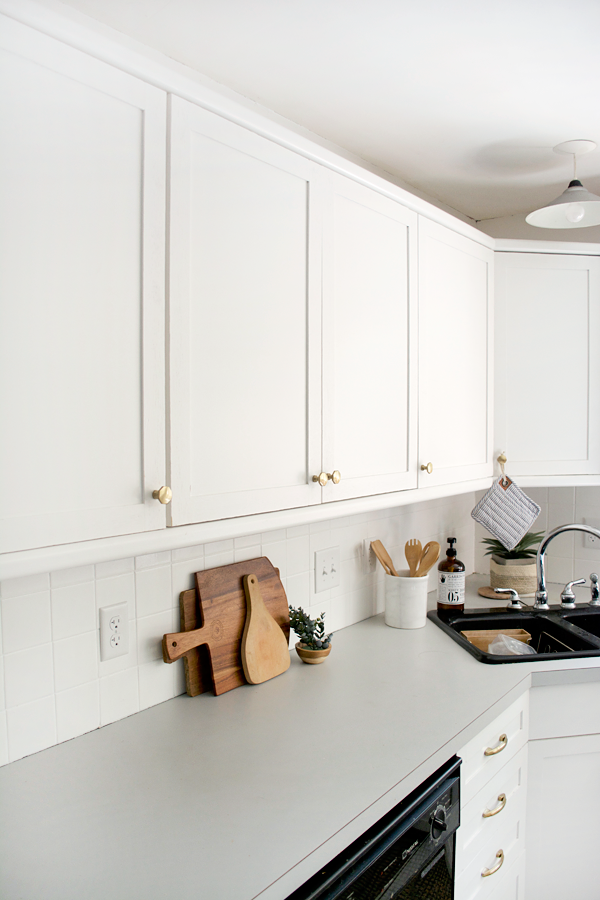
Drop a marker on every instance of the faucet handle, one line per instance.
(567, 598)
(514, 602)
(595, 598)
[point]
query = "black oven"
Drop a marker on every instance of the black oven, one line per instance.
(406, 855)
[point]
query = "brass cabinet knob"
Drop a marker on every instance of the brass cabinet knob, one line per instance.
(428, 468)
(324, 477)
(164, 494)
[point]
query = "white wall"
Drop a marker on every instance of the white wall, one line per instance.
(567, 557)
(53, 685)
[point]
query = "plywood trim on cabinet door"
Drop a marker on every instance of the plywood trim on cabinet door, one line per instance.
(122, 103)
(370, 373)
(208, 136)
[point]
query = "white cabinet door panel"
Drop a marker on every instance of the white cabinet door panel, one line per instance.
(548, 375)
(244, 307)
(455, 356)
(82, 209)
(369, 302)
(563, 832)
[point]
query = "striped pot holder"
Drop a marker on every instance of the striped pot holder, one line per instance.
(506, 512)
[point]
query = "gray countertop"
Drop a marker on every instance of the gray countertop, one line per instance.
(248, 793)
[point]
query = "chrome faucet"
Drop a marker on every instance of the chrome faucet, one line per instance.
(541, 595)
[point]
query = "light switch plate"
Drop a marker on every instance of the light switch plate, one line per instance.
(590, 540)
(114, 631)
(327, 569)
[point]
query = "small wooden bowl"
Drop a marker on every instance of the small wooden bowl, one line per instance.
(314, 657)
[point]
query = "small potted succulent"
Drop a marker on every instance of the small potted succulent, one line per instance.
(514, 568)
(314, 645)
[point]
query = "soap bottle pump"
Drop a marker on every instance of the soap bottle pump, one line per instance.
(451, 581)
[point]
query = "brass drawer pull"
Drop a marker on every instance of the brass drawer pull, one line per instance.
(496, 866)
(502, 742)
(487, 813)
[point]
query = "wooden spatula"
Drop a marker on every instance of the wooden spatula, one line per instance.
(384, 557)
(429, 557)
(264, 649)
(413, 552)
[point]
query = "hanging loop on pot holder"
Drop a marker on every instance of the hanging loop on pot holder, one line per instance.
(505, 510)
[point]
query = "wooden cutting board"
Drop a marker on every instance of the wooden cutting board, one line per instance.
(265, 652)
(213, 618)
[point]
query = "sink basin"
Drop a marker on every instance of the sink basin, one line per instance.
(555, 634)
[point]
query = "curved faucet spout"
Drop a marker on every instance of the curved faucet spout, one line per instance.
(541, 595)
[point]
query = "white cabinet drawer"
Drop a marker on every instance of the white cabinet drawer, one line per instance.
(471, 884)
(506, 735)
(478, 831)
(512, 886)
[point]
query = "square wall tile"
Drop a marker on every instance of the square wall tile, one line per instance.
(26, 621)
(113, 568)
(66, 577)
(298, 555)
(28, 675)
(185, 553)
(156, 683)
(150, 634)
(242, 554)
(248, 540)
(75, 661)
(182, 577)
(31, 728)
(217, 547)
(153, 559)
(3, 740)
(2, 700)
(153, 591)
(73, 610)
(297, 588)
(179, 686)
(116, 589)
(77, 711)
(276, 553)
(30, 584)
(225, 558)
(119, 696)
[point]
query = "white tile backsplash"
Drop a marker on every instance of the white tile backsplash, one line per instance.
(56, 687)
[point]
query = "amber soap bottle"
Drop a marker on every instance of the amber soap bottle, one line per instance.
(451, 581)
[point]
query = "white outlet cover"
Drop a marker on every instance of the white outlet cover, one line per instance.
(114, 631)
(327, 569)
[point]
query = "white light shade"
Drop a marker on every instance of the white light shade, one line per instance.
(575, 208)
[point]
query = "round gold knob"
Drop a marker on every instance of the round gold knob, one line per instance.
(324, 477)
(428, 468)
(165, 494)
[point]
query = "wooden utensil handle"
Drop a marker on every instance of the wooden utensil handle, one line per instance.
(177, 645)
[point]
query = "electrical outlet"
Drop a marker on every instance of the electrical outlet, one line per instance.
(114, 631)
(590, 540)
(327, 569)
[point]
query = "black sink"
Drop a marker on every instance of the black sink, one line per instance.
(555, 634)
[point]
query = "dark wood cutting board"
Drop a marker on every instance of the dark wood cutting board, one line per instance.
(212, 631)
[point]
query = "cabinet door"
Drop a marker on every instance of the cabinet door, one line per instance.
(369, 364)
(244, 321)
(82, 210)
(455, 356)
(548, 365)
(563, 832)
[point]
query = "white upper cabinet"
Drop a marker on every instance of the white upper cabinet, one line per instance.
(455, 356)
(548, 365)
(245, 321)
(370, 329)
(82, 209)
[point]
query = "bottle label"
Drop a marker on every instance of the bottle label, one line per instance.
(451, 588)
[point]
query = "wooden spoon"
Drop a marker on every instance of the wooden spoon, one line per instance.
(384, 557)
(413, 551)
(431, 552)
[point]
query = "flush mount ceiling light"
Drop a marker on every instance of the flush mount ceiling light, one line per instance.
(576, 207)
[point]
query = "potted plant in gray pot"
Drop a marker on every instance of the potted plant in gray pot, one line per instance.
(514, 568)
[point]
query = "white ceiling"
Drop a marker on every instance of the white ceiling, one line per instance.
(463, 99)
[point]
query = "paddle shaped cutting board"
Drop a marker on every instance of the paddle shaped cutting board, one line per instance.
(265, 651)
(219, 610)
